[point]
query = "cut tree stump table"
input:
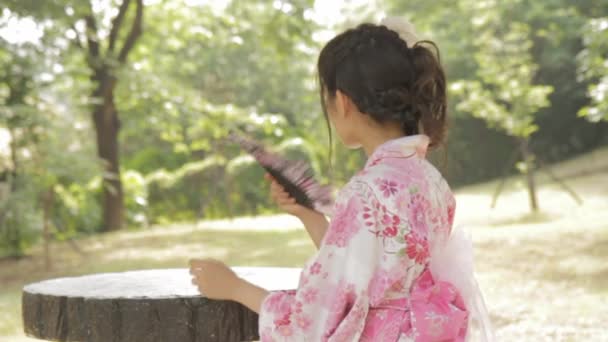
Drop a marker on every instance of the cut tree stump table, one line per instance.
(151, 305)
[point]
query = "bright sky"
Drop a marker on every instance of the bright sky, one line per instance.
(19, 30)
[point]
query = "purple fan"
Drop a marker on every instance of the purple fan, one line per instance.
(296, 177)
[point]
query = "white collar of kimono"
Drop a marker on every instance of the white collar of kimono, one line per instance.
(404, 147)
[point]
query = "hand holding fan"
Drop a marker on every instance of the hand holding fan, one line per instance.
(296, 177)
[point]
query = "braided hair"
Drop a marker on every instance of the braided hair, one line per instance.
(387, 79)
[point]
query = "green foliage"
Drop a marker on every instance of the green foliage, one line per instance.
(187, 193)
(296, 149)
(554, 30)
(46, 147)
(249, 194)
(504, 94)
(245, 67)
(593, 61)
(20, 219)
(77, 209)
(250, 54)
(199, 71)
(136, 197)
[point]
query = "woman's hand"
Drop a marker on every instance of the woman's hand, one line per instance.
(314, 221)
(214, 279)
(285, 202)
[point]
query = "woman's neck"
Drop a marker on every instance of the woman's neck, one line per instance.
(375, 137)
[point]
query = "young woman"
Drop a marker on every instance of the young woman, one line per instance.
(372, 277)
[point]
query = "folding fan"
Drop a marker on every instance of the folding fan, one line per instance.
(296, 177)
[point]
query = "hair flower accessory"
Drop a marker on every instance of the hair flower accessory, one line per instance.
(404, 28)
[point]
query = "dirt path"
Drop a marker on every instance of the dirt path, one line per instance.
(545, 276)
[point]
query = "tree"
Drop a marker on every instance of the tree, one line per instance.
(593, 66)
(104, 66)
(556, 29)
(505, 95)
(105, 45)
(17, 87)
(247, 67)
(40, 129)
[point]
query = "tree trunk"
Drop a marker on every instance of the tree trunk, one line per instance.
(528, 158)
(147, 306)
(47, 206)
(107, 127)
(105, 116)
(505, 175)
(13, 231)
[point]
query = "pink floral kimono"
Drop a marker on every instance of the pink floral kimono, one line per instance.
(371, 278)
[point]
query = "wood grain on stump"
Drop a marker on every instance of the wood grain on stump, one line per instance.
(152, 305)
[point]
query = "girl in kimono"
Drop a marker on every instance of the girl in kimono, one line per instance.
(388, 266)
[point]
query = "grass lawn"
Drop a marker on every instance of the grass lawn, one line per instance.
(167, 247)
(545, 276)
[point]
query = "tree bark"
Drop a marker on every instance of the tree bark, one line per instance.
(105, 114)
(150, 306)
(47, 206)
(528, 158)
(13, 233)
(503, 181)
(107, 126)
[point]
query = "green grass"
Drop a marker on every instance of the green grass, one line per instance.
(157, 248)
(594, 163)
(544, 275)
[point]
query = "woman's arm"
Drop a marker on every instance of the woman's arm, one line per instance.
(249, 295)
(316, 225)
(332, 299)
(215, 280)
(315, 222)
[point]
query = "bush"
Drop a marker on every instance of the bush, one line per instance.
(20, 220)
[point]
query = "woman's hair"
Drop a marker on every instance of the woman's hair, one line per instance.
(387, 79)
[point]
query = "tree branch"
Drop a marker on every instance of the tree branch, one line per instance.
(136, 30)
(92, 39)
(117, 23)
(77, 40)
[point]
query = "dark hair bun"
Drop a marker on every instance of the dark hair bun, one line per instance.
(387, 79)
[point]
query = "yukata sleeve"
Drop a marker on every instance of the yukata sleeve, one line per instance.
(331, 301)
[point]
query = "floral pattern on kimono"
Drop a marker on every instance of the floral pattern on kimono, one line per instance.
(370, 280)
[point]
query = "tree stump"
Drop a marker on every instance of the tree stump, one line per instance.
(151, 305)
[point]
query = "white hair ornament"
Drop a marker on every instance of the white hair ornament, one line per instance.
(404, 28)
